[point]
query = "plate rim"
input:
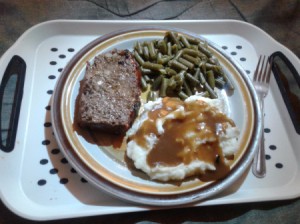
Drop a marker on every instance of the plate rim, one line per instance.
(154, 199)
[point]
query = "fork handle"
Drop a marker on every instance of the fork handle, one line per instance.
(259, 163)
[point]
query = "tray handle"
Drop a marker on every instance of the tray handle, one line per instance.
(11, 93)
(288, 81)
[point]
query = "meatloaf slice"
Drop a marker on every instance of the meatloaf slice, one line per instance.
(109, 96)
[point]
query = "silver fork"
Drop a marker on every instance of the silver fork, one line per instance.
(261, 81)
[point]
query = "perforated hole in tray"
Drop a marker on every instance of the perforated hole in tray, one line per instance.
(60, 163)
(235, 52)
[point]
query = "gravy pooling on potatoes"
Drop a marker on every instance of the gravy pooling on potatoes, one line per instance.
(191, 135)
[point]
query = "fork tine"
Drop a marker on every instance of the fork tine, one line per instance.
(270, 62)
(261, 72)
(265, 70)
(257, 69)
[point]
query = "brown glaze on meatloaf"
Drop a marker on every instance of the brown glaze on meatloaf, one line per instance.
(109, 97)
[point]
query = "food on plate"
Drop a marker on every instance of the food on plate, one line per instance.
(183, 129)
(109, 96)
(179, 65)
(175, 139)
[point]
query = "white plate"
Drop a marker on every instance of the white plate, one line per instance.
(108, 168)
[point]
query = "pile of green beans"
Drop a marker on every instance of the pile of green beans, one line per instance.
(179, 66)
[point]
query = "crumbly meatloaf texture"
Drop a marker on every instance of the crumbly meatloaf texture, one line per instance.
(109, 97)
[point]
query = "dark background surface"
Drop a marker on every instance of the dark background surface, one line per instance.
(279, 18)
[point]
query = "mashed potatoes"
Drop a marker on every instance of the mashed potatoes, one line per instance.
(172, 139)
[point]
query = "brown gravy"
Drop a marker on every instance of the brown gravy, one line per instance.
(178, 143)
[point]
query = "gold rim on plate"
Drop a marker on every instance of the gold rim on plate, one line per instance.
(106, 170)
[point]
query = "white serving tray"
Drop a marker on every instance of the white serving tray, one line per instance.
(37, 183)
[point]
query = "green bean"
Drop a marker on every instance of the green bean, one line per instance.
(205, 51)
(182, 95)
(202, 56)
(181, 44)
(211, 78)
(197, 73)
(138, 47)
(181, 74)
(146, 71)
(177, 65)
(146, 53)
(159, 56)
(203, 67)
(179, 82)
(204, 94)
(144, 84)
(219, 71)
(174, 39)
(147, 78)
(152, 96)
(166, 38)
(170, 71)
(174, 49)
(202, 62)
(209, 65)
(162, 71)
(215, 68)
(213, 61)
(172, 84)
(205, 44)
(163, 87)
(164, 59)
(229, 84)
(152, 52)
(191, 78)
(156, 83)
(186, 63)
(152, 66)
(169, 48)
(138, 58)
(191, 52)
(187, 88)
(162, 47)
(194, 47)
(211, 92)
(185, 41)
(194, 60)
(202, 78)
(192, 40)
(220, 83)
(178, 54)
